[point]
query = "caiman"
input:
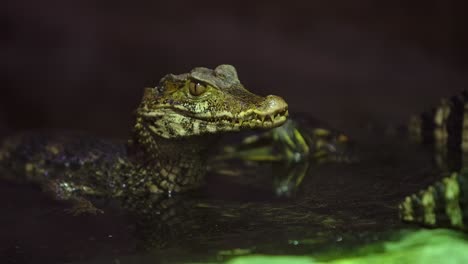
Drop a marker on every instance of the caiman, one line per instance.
(181, 119)
(176, 124)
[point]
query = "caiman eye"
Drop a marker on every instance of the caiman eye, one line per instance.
(196, 89)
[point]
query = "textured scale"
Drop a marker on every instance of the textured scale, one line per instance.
(176, 124)
(445, 129)
(443, 204)
(35, 157)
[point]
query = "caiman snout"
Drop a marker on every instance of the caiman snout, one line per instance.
(273, 104)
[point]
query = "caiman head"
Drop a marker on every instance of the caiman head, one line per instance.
(178, 121)
(203, 102)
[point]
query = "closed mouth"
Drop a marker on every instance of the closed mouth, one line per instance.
(252, 118)
(247, 119)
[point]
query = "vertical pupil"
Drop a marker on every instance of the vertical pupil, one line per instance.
(196, 88)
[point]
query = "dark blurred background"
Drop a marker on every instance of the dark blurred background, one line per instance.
(82, 64)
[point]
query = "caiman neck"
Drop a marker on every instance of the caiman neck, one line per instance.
(176, 164)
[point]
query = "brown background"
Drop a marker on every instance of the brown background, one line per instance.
(82, 64)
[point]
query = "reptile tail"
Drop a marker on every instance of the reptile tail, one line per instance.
(443, 204)
(443, 125)
(445, 128)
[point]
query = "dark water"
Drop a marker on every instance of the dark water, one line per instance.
(337, 207)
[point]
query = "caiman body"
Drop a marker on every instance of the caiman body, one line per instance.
(176, 123)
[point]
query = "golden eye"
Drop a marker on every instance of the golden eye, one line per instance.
(196, 89)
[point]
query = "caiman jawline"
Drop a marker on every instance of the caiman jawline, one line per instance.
(249, 118)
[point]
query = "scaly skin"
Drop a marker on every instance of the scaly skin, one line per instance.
(445, 129)
(443, 204)
(176, 123)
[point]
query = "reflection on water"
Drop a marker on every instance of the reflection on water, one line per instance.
(337, 205)
(329, 206)
(288, 151)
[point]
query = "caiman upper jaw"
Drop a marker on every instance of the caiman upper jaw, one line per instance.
(253, 119)
(270, 112)
(272, 103)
